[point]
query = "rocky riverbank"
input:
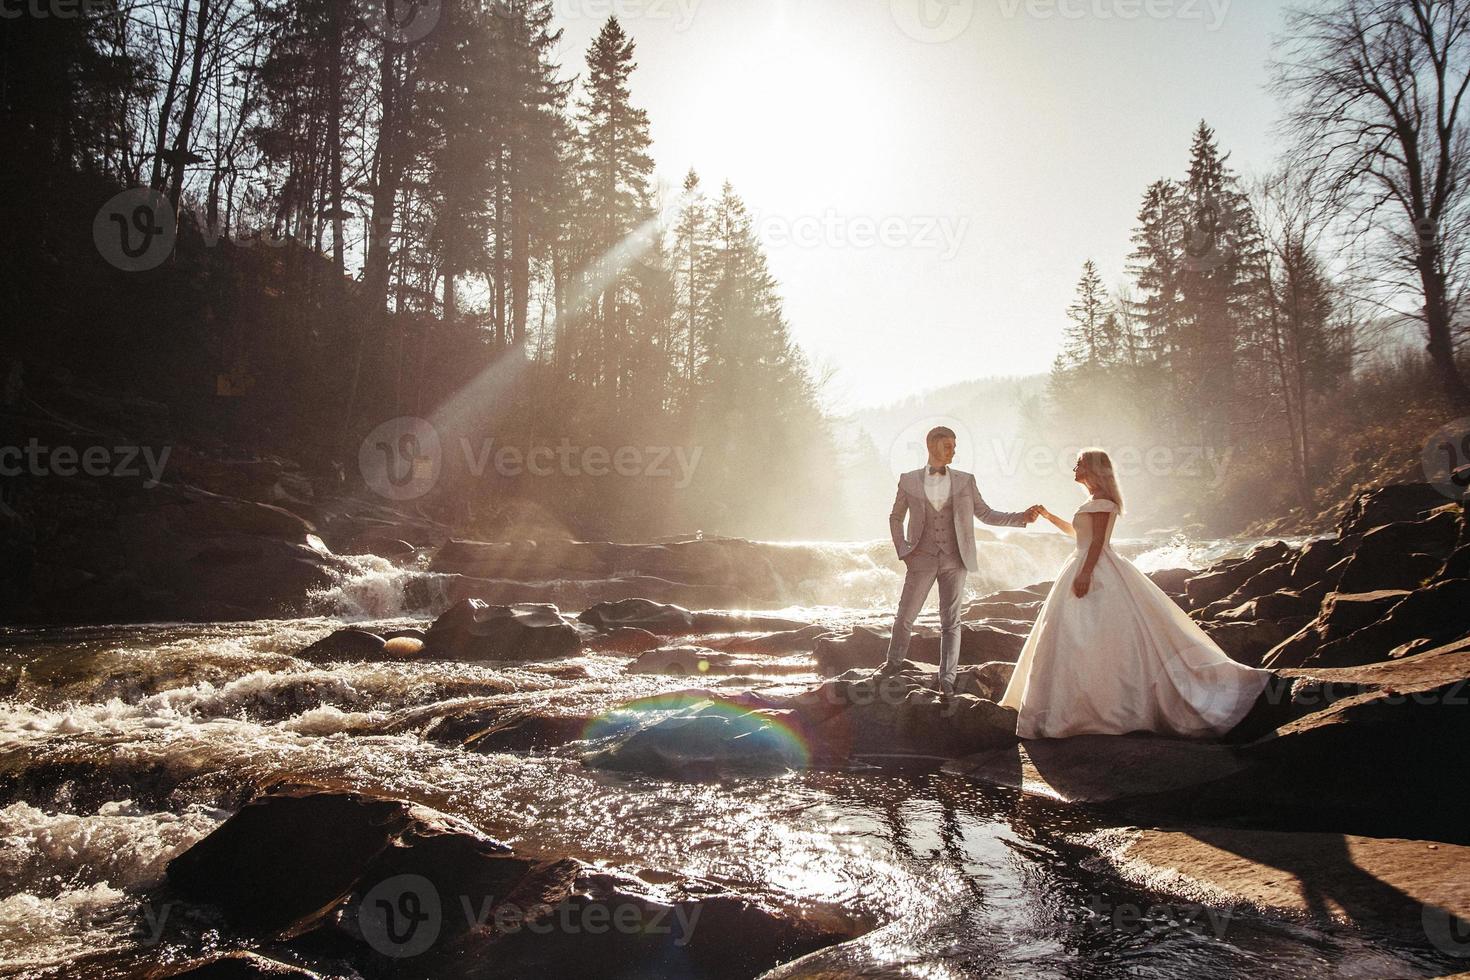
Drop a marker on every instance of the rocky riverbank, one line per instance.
(1368, 630)
(1331, 800)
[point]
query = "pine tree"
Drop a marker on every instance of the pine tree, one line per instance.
(692, 259)
(1091, 341)
(615, 208)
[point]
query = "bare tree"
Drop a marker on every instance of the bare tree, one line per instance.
(1374, 91)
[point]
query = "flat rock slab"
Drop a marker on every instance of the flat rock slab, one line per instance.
(1100, 768)
(1407, 886)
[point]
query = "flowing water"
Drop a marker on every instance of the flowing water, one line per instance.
(120, 746)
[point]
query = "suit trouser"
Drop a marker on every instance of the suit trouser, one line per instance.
(923, 571)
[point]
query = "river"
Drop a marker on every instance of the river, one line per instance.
(121, 745)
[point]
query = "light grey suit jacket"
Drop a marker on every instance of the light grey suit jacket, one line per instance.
(968, 507)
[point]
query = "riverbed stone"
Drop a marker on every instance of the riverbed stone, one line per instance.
(474, 630)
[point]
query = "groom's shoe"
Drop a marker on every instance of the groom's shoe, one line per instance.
(946, 690)
(889, 668)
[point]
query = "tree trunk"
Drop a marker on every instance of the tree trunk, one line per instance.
(1437, 324)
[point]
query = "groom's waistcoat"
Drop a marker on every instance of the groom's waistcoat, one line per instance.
(939, 537)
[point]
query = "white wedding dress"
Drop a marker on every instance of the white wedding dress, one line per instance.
(1123, 658)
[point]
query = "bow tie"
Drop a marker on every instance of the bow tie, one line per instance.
(939, 471)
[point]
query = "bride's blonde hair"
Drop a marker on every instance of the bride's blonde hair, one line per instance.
(1097, 466)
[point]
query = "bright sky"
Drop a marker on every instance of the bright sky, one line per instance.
(930, 175)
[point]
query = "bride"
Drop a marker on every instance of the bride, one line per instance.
(1110, 652)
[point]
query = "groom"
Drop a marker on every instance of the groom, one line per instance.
(942, 506)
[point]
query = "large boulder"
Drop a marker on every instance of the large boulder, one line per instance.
(397, 890)
(1172, 580)
(1311, 566)
(1399, 556)
(864, 647)
(473, 630)
(1438, 613)
(654, 617)
(347, 644)
(903, 715)
(1371, 761)
(1387, 505)
(1342, 614)
(1246, 642)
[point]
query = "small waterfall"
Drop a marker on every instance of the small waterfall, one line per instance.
(368, 587)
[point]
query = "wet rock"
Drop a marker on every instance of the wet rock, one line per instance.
(281, 863)
(987, 681)
(397, 890)
(1440, 612)
(1351, 760)
(625, 640)
(527, 732)
(861, 647)
(1101, 768)
(696, 661)
(237, 965)
(1226, 577)
(864, 647)
(345, 645)
(1246, 642)
(1311, 566)
(902, 715)
(1022, 612)
(697, 735)
(1342, 614)
(1172, 580)
(1399, 887)
(653, 617)
(473, 630)
(1275, 606)
(781, 641)
(727, 622)
(1400, 556)
(1387, 505)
